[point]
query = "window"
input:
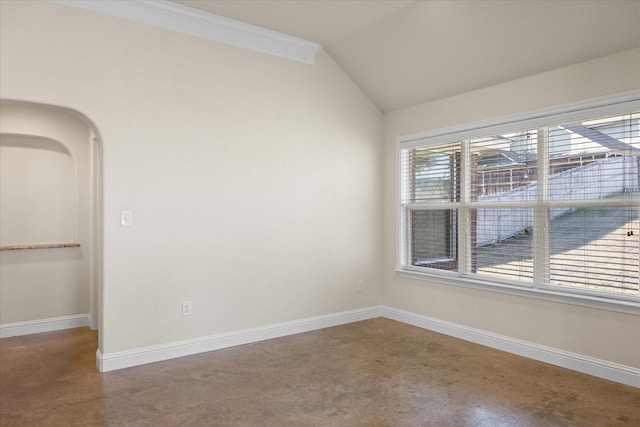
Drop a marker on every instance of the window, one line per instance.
(543, 203)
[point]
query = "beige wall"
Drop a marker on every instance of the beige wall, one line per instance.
(37, 190)
(602, 334)
(45, 198)
(254, 181)
(260, 187)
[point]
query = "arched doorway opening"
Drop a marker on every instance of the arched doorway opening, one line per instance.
(51, 219)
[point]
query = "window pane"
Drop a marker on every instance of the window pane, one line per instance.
(594, 159)
(503, 167)
(585, 193)
(596, 249)
(502, 243)
(433, 239)
(432, 174)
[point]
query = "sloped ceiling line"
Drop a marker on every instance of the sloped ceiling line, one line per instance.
(185, 20)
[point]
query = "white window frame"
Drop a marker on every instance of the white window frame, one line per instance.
(612, 105)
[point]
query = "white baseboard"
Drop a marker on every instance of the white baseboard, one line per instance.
(599, 368)
(144, 355)
(43, 325)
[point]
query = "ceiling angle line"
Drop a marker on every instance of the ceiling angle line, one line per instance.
(186, 20)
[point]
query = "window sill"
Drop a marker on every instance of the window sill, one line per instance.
(39, 246)
(610, 304)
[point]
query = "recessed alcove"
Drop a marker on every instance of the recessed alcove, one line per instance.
(49, 218)
(38, 191)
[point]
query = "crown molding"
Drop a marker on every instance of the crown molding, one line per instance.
(181, 19)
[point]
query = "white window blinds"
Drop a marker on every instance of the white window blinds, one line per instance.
(594, 238)
(431, 177)
(551, 206)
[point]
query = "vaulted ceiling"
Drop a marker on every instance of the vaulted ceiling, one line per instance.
(403, 53)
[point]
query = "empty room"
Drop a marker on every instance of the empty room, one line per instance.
(319, 213)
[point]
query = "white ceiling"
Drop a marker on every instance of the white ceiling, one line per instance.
(403, 53)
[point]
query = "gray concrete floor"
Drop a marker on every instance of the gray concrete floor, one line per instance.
(373, 373)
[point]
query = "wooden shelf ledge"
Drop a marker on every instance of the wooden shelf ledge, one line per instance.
(39, 246)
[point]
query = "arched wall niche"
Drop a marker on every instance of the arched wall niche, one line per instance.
(40, 142)
(37, 191)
